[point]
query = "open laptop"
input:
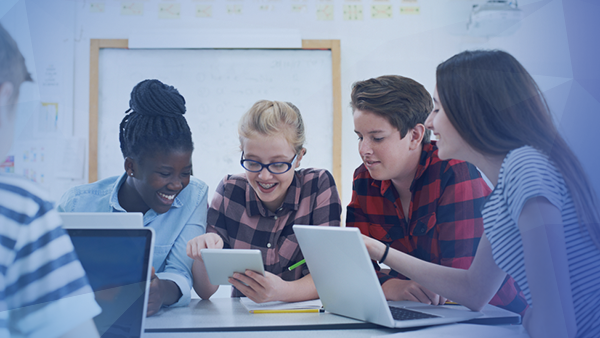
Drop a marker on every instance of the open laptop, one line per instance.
(118, 264)
(102, 220)
(348, 285)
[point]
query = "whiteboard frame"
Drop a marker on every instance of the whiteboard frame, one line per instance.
(332, 45)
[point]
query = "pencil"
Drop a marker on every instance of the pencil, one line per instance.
(289, 311)
(297, 265)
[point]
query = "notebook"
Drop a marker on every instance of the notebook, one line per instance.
(118, 264)
(348, 285)
(283, 307)
(101, 220)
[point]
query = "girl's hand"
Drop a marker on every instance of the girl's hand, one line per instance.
(260, 288)
(206, 241)
(155, 301)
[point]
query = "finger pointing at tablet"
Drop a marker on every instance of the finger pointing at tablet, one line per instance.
(202, 285)
(206, 241)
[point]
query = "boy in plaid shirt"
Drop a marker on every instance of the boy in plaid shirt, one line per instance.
(405, 196)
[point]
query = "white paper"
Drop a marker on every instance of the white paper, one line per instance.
(309, 304)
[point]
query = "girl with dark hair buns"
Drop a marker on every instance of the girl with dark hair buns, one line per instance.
(541, 221)
(156, 143)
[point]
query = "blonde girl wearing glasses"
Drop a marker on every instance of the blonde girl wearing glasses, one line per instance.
(256, 209)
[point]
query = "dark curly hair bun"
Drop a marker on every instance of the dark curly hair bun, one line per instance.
(152, 97)
(154, 121)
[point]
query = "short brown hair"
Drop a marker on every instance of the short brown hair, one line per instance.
(12, 63)
(402, 101)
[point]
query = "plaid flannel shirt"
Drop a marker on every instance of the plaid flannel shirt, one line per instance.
(444, 224)
(240, 218)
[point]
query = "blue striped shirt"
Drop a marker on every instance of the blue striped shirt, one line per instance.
(527, 173)
(43, 288)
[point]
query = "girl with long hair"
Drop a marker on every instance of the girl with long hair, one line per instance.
(542, 224)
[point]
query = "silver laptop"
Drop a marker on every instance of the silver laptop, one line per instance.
(348, 285)
(118, 265)
(102, 220)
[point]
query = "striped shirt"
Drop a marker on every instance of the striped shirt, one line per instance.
(43, 288)
(444, 224)
(527, 173)
(240, 218)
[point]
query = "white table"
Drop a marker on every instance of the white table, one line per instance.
(228, 314)
(227, 317)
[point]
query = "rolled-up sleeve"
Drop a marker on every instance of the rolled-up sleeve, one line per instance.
(178, 266)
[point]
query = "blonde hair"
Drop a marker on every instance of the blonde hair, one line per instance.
(272, 118)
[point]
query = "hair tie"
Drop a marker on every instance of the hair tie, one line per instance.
(385, 253)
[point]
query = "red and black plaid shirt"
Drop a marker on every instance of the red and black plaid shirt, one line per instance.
(241, 219)
(445, 224)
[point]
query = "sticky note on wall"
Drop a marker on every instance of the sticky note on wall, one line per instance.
(132, 8)
(169, 10)
(410, 10)
(325, 12)
(353, 12)
(381, 12)
(204, 11)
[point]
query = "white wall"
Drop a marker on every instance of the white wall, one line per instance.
(44, 32)
(408, 45)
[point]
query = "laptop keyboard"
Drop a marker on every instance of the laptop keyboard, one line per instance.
(403, 314)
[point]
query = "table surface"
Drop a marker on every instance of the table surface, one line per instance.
(357, 333)
(446, 331)
(228, 314)
(227, 317)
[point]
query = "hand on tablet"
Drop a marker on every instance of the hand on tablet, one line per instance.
(206, 241)
(260, 288)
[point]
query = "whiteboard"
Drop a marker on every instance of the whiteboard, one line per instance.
(219, 86)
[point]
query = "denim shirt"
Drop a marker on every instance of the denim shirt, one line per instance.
(185, 220)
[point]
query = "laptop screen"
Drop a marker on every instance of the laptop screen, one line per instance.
(116, 262)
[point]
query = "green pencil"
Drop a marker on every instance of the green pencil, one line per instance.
(297, 265)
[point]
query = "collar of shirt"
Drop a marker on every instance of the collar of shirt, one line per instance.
(291, 201)
(114, 197)
(424, 162)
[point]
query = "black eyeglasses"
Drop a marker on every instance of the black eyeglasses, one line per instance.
(274, 168)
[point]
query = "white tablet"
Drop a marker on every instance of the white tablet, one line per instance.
(222, 263)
